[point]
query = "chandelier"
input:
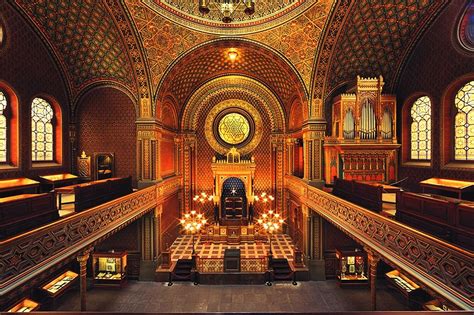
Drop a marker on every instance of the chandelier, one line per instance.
(227, 7)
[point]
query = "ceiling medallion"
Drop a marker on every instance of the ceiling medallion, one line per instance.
(227, 7)
(233, 123)
(229, 17)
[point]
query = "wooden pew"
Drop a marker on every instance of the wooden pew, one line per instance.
(23, 212)
(448, 218)
(95, 193)
(365, 195)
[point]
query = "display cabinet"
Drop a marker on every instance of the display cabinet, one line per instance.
(109, 269)
(352, 267)
(24, 306)
(403, 284)
(59, 285)
(436, 305)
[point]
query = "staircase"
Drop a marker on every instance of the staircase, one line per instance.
(281, 270)
(182, 271)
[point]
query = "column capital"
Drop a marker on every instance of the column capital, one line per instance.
(85, 254)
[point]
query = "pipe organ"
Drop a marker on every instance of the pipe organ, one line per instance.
(363, 144)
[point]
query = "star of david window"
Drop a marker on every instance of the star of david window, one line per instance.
(234, 128)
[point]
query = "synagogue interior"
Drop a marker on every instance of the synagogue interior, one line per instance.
(236, 155)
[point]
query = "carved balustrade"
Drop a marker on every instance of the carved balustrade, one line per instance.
(440, 266)
(24, 257)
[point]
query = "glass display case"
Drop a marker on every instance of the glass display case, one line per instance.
(24, 306)
(403, 284)
(352, 267)
(60, 284)
(109, 269)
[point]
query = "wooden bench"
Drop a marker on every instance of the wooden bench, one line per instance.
(448, 218)
(96, 193)
(23, 212)
(363, 194)
(18, 185)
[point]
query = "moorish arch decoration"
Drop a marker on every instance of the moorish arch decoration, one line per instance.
(211, 60)
(236, 85)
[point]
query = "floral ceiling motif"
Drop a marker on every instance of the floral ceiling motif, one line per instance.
(85, 38)
(163, 40)
(298, 40)
(268, 14)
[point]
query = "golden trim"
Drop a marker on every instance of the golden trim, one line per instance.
(233, 103)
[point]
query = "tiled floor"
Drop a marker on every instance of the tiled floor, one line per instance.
(320, 296)
(281, 248)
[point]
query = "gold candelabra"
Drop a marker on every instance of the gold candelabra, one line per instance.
(192, 223)
(271, 222)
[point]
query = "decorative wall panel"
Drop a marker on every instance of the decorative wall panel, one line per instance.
(106, 118)
(422, 74)
(27, 66)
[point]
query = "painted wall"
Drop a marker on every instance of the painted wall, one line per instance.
(436, 61)
(28, 68)
(106, 123)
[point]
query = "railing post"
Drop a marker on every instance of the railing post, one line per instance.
(373, 263)
(82, 259)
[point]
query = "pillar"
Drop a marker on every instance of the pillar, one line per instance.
(82, 260)
(290, 156)
(316, 261)
(373, 260)
(148, 152)
(147, 259)
(73, 145)
(313, 137)
(188, 166)
(278, 146)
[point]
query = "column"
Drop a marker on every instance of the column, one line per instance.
(188, 164)
(278, 146)
(290, 156)
(147, 263)
(148, 152)
(313, 137)
(82, 259)
(373, 260)
(73, 145)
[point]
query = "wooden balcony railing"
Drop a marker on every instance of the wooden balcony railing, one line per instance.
(442, 267)
(24, 257)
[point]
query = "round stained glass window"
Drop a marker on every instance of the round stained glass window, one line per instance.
(234, 128)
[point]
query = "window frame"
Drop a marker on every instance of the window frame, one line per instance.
(57, 123)
(406, 132)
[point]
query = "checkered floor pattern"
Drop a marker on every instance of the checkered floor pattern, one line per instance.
(282, 247)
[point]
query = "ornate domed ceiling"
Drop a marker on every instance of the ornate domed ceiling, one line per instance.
(268, 14)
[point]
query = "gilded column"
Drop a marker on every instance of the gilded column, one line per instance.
(157, 230)
(313, 137)
(278, 145)
(373, 260)
(189, 146)
(290, 155)
(148, 152)
(306, 230)
(73, 145)
(82, 260)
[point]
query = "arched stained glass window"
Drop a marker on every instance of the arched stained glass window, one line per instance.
(42, 134)
(421, 129)
(3, 128)
(464, 123)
